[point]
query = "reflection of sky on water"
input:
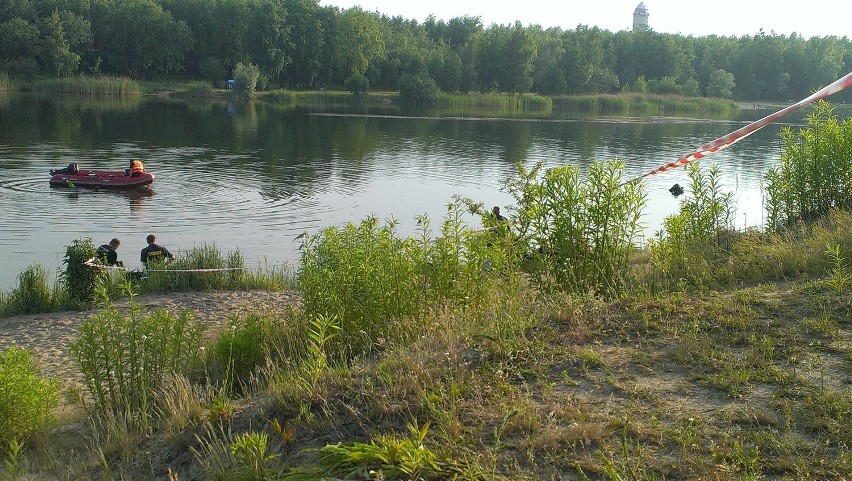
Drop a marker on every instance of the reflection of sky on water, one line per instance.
(258, 194)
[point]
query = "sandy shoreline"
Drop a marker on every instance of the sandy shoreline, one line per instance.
(48, 336)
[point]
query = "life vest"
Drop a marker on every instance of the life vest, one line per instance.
(136, 167)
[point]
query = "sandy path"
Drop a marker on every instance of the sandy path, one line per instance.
(49, 336)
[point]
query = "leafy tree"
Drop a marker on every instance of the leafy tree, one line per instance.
(721, 84)
(548, 75)
(19, 40)
(245, 79)
(307, 36)
(55, 51)
(445, 67)
(267, 38)
(359, 41)
(139, 38)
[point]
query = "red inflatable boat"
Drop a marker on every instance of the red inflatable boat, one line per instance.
(72, 177)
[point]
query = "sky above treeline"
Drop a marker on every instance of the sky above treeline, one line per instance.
(814, 18)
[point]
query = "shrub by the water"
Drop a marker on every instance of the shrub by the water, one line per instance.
(80, 280)
(358, 84)
(578, 231)
(32, 295)
(374, 281)
(815, 174)
(27, 399)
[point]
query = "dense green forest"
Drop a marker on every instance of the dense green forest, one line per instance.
(300, 44)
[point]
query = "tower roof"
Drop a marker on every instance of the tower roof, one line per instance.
(641, 9)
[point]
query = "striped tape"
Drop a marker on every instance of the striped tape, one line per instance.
(730, 139)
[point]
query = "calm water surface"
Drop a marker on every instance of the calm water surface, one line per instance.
(253, 177)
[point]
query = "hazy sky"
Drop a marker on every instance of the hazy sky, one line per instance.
(719, 17)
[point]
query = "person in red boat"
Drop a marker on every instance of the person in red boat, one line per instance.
(136, 168)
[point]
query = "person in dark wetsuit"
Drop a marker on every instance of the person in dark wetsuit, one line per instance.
(495, 214)
(154, 252)
(107, 253)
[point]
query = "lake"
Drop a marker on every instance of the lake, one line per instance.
(252, 176)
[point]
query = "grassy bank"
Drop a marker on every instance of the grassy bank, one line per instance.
(736, 383)
(548, 347)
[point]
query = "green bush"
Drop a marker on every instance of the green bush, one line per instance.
(358, 84)
(79, 279)
(240, 349)
(26, 398)
(373, 281)
(125, 358)
(419, 89)
(815, 174)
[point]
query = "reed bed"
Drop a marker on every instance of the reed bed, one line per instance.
(111, 86)
(500, 102)
(646, 104)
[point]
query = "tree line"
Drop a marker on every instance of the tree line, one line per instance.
(300, 44)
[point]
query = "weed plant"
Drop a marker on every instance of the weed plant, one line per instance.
(578, 232)
(125, 358)
(386, 456)
(700, 232)
(27, 399)
(374, 281)
(240, 350)
(815, 174)
(365, 275)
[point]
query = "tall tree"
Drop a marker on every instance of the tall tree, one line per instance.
(359, 42)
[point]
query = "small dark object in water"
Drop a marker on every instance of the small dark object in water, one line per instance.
(676, 190)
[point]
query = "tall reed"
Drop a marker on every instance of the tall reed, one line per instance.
(199, 268)
(815, 173)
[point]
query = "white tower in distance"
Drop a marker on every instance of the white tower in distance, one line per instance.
(640, 18)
